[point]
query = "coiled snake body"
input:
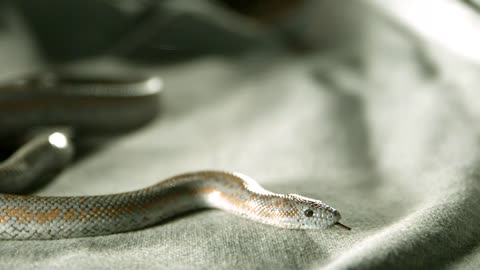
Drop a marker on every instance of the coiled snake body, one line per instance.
(35, 217)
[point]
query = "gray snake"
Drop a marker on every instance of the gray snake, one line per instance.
(25, 217)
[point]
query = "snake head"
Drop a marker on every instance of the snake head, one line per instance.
(311, 213)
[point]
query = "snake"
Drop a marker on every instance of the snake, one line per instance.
(32, 217)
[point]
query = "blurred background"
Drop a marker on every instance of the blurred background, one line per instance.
(56, 32)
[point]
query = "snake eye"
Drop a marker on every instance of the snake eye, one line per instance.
(308, 212)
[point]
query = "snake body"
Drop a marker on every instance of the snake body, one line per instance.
(24, 217)
(34, 217)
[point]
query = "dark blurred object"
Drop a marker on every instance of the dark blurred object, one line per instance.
(474, 4)
(147, 31)
(266, 11)
(179, 31)
(70, 100)
(67, 30)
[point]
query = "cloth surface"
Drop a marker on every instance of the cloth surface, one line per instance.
(385, 130)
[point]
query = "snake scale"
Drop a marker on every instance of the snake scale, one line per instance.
(24, 217)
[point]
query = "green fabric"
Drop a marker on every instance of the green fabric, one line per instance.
(384, 130)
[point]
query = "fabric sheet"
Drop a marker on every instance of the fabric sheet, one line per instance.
(384, 129)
